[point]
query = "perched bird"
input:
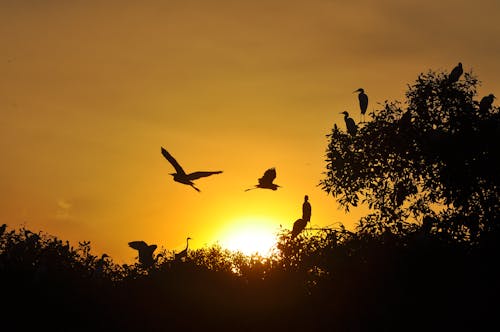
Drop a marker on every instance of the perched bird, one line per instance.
(298, 226)
(181, 176)
(183, 253)
(266, 181)
(486, 103)
(306, 209)
(363, 102)
(145, 252)
(352, 129)
(455, 73)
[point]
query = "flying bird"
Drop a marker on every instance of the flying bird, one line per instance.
(486, 103)
(183, 253)
(181, 176)
(352, 129)
(455, 73)
(363, 101)
(298, 226)
(266, 181)
(145, 252)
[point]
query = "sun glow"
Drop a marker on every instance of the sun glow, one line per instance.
(250, 235)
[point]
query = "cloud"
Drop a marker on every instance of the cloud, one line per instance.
(63, 211)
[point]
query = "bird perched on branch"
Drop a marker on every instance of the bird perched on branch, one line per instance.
(486, 103)
(455, 73)
(298, 226)
(266, 181)
(183, 254)
(352, 129)
(363, 102)
(181, 176)
(145, 252)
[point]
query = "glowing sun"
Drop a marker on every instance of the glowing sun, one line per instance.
(250, 235)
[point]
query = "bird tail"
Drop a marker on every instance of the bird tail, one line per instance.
(250, 188)
(198, 190)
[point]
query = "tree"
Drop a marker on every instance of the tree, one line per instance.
(435, 156)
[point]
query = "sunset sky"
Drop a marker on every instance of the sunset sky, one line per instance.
(91, 90)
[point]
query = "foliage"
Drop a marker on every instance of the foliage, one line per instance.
(437, 155)
(334, 278)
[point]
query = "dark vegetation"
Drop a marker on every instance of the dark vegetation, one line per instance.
(424, 258)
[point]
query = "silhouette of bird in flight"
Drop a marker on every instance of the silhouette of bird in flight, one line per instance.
(455, 73)
(181, 176)
(183, 253)
(266, 181)
(363, 101)
(352, 129)
(145, 252)
(486, 103)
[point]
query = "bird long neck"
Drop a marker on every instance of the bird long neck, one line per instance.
(187, 243)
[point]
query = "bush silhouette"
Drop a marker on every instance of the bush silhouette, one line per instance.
(424, 259)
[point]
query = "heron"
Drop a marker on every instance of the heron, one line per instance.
(183, 253)
(363, 102)
(298, 226)
(145, 252)
(266, 181)
(181, 176)
(349, 122)
(486, 103)
(455, 73)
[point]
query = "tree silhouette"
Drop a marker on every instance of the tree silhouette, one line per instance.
(436, 154)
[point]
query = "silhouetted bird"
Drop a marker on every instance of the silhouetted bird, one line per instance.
(455, 73)
(266, 181)
(145, 252)
(349, 123)
(183, 253)
(363, 102)
(306, 209)
(298, 226)
(181, 176)
(2, 229)
(486, 103)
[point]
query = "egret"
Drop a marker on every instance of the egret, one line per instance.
(485, 103)
(183, 253)
(455, 73)
(298, 226)
(266, 181)
(145, 252)
(349, 122)
(363, 101)
(306, 209)
(181, 176)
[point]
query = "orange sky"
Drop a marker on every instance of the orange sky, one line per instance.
(90, 91)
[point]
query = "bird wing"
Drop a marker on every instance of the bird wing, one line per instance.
(138, 245)
(172, 160)
(197, 175)
(268, 176)
(152, 248)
